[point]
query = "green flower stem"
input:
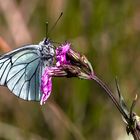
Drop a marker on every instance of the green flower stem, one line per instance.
(111, 96)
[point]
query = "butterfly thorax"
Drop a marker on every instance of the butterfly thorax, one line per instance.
(46, 49)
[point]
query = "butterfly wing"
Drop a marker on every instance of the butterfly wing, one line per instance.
(21, 71)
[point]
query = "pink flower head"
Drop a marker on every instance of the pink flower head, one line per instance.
(61, 54)
(46, 80)
(68, 64)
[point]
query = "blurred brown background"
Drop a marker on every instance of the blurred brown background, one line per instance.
(108, 33)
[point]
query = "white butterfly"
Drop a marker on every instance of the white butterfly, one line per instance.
(21, 69)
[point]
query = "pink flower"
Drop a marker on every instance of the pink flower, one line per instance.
(68, 64)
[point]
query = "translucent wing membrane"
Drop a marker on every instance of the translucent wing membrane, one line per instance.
(21, 72)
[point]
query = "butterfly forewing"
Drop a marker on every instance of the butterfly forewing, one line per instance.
(21, 72)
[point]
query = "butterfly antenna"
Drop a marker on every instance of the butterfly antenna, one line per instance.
(46, 29)
(55, 23)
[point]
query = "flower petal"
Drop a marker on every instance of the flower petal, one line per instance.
(46, 87)
(61, 54)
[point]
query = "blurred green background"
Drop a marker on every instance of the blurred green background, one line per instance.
(108, 33)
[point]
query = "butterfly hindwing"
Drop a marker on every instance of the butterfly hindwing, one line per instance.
(21, 71)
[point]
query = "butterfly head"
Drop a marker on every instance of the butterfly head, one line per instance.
(47, 48)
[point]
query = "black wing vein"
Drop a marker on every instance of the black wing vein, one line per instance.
(17, 81)
(14, 75)
(24, 54)
(4, 70)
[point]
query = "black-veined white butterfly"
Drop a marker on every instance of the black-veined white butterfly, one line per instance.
(21, 69)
